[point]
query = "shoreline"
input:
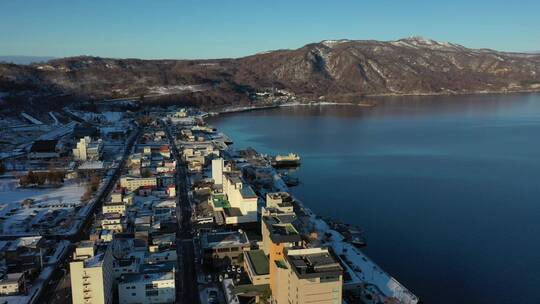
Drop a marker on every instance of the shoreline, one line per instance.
(365, 104)
(472, 93)
(365, 274)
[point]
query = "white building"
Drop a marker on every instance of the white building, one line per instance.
(113, 222)
(146, 288)
(280, 201)
(217, 171)
(91, 274)
(87, 149)
(119, 208)
(242, 200)
(13, 284)
(116, 197)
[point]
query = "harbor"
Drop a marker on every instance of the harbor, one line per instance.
(363, 279)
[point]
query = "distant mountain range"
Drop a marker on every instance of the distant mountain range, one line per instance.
(24, 59)
(333, 70)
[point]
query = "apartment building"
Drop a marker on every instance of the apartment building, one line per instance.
(257, 267)
(217, 171)
(279, 232)
(119, 208)
(113, 222)
(132, 183)
(117, 196)
(25, 255)
(221, 245)
(242, 200)
(311, 275)
(91, 274)
(146, 288)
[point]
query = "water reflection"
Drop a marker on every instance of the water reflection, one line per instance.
(446, 188)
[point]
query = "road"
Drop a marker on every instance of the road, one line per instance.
(187, 280)
(57, 292)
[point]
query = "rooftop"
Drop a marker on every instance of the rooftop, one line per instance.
(44, 146)
(158, 267)
(284, 196)
(12, 277)
(247, 191)
(281, 228)
(86, 244)
(220, 201)
(258, 261)
(313, 262)
(234, 178)
(29, 241)
(147, 277)
(95, 261)
(224, 239)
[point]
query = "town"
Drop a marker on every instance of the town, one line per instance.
(157, 206)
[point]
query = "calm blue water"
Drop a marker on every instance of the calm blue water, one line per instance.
(446, 188)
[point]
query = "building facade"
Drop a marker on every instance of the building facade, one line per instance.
(91, 274)
(310, 275)
(132, 183)
(147, 288)
(87, 149)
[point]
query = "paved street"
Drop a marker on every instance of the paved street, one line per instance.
(187, 280)
(59, 289)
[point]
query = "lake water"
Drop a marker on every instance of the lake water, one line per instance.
(446, 188)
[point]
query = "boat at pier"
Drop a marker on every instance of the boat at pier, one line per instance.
(289, 160)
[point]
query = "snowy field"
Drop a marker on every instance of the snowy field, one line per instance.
(53, 209)
(10, 192)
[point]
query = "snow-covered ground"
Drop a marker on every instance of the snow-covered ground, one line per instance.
(10, 192)
(58, 132)
(110, 117)
(56, 122)
(31, 119)
(165, 90)
(50, 204)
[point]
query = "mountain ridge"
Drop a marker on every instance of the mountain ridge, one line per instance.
(334, 70)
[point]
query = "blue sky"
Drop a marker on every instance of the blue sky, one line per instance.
(229, 28)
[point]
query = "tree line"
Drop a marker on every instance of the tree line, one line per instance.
(41, 178)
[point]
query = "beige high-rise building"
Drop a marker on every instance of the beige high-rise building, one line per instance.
(310, 275)
(91, 274)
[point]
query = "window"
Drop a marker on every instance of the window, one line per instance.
(133, 294)
(152, 293)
